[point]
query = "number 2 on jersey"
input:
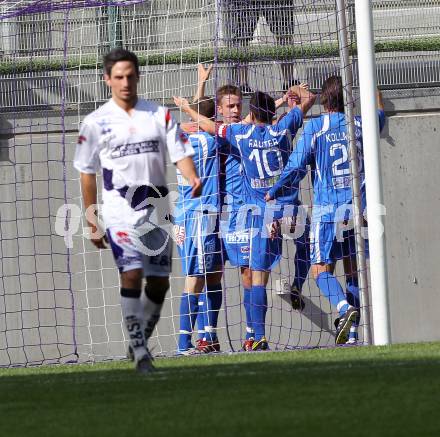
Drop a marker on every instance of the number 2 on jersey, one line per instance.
(340, 162)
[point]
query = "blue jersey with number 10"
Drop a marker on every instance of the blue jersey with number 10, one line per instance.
(264, 151)
(324, 146)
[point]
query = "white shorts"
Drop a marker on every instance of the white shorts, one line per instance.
(133, 248)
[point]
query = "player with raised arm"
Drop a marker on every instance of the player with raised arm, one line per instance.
(324, 146)
(196, 235)
(128, 139)
(235, 244)
(263, 148)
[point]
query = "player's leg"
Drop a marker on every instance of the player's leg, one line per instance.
(157, 254)
(235, 238)
(189, 307)
(324, 252)
(209, 255)
(265, 254)
(200, 320)
(351, 281)
(133, 315)
(246, 280)
(302, 267)
(129, 263)
(259, 308)
(187, 239)
(156, 288)
(214, 298)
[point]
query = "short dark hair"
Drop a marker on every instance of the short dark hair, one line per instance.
(262, 106)
(204, 106)
(332, 96)
(117, 55)
(226, 90)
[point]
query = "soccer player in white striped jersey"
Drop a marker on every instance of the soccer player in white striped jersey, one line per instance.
(324, 146)
(128, 139)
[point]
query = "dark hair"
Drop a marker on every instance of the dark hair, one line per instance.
(227, 90)
(117, 55)
(204, 106)
(332, 97)
(262, 106)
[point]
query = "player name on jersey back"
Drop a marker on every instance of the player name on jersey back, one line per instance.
(264, 183)
(263, 144)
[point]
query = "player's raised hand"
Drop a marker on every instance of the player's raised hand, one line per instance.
(204, 73)
(181, 102)
(196, 185)
(304, 85)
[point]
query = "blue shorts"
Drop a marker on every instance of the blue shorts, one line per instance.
(198, 244)
(235, 237)
(265, 253)
(328, 243)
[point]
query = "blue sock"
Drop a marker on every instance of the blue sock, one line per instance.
(352, 289)
(353, 335)
(258, 310)
(247, 309)
(188, 313)
(213, 303)
(201, 316)
(332, 290)
(302, 260)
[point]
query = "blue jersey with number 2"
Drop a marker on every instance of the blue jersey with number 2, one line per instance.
(324, 146)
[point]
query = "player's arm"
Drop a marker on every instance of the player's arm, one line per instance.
(296, 167)
(188, 170)
(90, 200)
(203, 76)
(204, 122)
(379, 96)
(304, 95)
(380, 109)
(86, 161)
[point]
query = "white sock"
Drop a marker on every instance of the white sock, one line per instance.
(134, 322)
(152, 312)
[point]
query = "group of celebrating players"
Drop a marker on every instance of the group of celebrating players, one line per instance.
(238, 181)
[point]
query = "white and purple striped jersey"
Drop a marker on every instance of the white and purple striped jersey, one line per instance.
(324, 146)
(131, 151)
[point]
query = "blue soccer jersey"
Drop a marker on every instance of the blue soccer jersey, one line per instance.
(324, 146)
(231, 180)
(264, 150)
(196, 219)
(207, 167)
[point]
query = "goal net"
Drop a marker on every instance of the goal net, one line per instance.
(59, 296)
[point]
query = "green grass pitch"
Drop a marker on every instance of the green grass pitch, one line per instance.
(363, 391)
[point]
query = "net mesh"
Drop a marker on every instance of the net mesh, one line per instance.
(59, 297)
